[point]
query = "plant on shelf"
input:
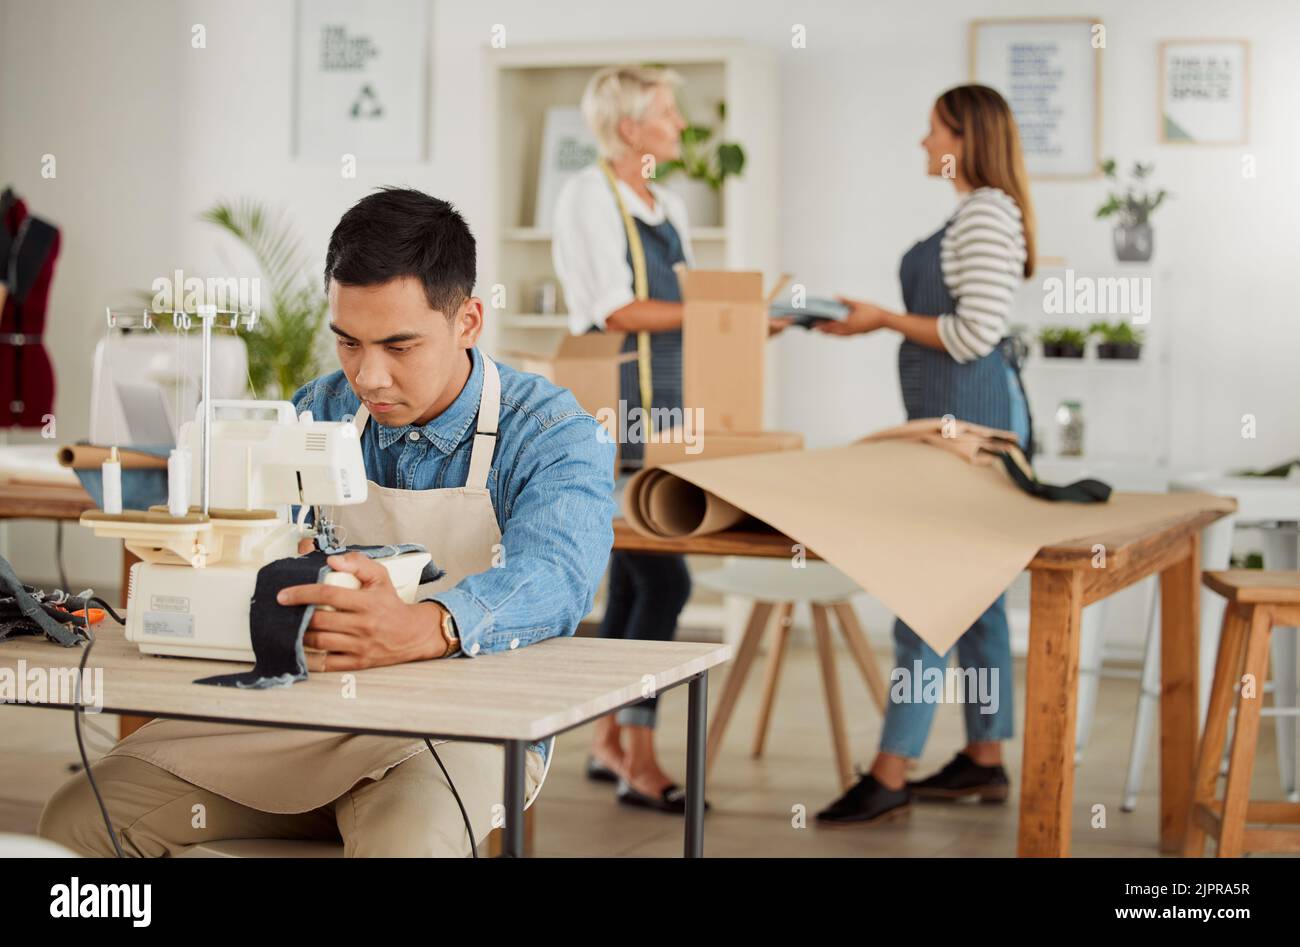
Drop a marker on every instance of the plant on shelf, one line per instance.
(284, 347)
(702, 158)
(705, 163)
(1062, 342)
(1133, 206)
(1118, 340)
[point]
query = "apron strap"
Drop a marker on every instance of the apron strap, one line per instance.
(485, 436)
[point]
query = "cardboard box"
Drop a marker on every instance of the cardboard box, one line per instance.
(670, 447)
(588, 365)
(724, 340)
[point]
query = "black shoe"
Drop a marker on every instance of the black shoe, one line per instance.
(672, 800)
(600, 773)
(867, 803)
(964, 777)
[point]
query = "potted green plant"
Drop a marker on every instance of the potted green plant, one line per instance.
(704, 164)
(1134, 205)
(1118, 340)
(1062, 342)
(284, 348)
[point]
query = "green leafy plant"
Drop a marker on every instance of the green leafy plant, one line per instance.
(1136, 202)
(1116, 333)
(703, 159)
(283, 349)
(1062, 335)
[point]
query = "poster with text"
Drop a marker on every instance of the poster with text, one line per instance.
(362, 80)
(1049, 71)
(1204, 92)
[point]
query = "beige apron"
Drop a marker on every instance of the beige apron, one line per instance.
(255, 766)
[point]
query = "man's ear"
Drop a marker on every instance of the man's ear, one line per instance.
(469, 322)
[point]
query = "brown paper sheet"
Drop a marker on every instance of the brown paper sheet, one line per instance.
(937, 539)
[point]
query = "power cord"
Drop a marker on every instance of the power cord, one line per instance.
(85, 760)
(473, 846)
(78, 709)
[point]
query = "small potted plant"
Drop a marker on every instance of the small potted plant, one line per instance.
(705, 163)
(1062, 342)
(1118, 340)
(1134, 240)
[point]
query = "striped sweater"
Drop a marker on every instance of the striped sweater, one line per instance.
(982, 256)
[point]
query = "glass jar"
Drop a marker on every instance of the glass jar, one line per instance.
(1069, 428)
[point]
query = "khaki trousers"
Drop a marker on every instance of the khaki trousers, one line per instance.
(409, 812)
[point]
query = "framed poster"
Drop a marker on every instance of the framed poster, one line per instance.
(568, 146)
(1204, 92)
(361, 80)
(1049, 71)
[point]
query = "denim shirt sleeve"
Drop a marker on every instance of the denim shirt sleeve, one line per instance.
(556, 541)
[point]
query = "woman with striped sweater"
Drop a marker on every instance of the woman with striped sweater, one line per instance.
(955, 359)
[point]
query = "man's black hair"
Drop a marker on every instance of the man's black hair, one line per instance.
(403, 232)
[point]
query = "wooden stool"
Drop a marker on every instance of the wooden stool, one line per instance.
(1257, 601)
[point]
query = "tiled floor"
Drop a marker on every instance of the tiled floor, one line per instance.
(755, 802)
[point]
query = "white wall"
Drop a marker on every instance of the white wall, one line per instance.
(148, 131)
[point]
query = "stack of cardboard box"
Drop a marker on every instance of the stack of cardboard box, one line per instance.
(724, 340)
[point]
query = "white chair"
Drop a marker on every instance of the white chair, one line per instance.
(776, 585)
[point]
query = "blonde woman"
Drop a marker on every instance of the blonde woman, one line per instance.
(955, 359)
(616, 239)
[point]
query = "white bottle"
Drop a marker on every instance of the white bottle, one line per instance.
(178, 482)
(112, 474)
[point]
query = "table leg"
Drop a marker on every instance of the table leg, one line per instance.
(697, 715)
(512, 845)
(1051, 703)
(1180, 601)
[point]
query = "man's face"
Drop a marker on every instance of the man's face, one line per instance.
(405, 361)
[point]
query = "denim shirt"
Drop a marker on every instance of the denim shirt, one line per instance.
(551, 484)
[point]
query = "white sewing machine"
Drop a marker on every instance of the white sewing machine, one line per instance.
(190, 593)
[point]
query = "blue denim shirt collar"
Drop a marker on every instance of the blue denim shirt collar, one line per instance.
(447, 430)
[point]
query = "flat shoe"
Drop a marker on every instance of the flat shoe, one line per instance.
(598, 772)
(672, 800)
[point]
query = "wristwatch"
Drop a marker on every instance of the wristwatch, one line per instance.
(449, 635)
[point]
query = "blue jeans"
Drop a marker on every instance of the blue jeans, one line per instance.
(983, 654)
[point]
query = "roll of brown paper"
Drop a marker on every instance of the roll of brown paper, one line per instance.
(91, 456)
(658, 503)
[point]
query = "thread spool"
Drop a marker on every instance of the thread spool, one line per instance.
(111, 471)
(178, 482)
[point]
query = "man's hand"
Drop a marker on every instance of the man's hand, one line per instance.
(368, 627)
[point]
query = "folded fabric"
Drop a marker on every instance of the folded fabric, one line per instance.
(276, 630)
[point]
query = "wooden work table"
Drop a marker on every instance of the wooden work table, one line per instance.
(1064, 577)
(513, 698)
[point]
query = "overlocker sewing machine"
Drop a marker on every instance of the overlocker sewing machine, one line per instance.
(190, 594)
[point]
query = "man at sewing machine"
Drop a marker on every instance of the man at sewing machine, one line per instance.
(500, 474)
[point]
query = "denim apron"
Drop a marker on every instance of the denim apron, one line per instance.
(652, 252)
(985, 391)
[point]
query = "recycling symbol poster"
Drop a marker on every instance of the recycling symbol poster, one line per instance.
(362, 80)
